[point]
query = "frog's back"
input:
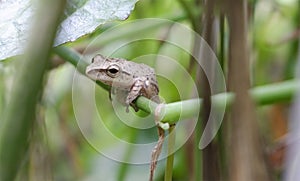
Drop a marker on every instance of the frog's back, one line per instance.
(136, 69)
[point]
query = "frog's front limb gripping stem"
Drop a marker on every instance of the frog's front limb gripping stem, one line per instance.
(158, 147)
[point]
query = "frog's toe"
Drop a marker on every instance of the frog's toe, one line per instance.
(136, 109)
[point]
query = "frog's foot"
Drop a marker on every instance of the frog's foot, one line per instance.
(127, 104)
(136, 109)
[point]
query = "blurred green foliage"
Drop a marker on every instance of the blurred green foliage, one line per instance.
(274, 34)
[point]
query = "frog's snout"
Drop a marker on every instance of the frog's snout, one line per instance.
(92, 72)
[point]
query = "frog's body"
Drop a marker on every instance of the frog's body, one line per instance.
(130, 79)
(136, 79)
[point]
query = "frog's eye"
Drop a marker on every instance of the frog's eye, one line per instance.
(113, 71)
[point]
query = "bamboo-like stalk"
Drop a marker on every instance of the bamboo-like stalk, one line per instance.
(175, 111)
(170, 158)
(20, 112)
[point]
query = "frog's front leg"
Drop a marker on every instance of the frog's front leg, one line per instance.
(133, 94)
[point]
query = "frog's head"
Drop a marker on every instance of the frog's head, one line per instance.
(107, 70)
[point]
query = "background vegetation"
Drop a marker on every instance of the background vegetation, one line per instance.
(257, 44)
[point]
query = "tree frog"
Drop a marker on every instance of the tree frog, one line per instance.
(135, 79)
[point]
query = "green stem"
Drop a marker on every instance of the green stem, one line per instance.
(262, 95)
(72, 57)
(77, 60)
(170, 158)
(20, 112)
(198, 159)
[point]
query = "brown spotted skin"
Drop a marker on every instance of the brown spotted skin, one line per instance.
(134, 78)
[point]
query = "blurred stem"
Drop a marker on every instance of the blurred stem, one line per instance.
(191, 11)
(243, 122)
(220, 134)
(198, 156)
(2, 90)
(123, 169)
(210, 165)
(170, 158)
(262, 95)
(293, 55)
(77, 60)
(20, 111)
(222, 41)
